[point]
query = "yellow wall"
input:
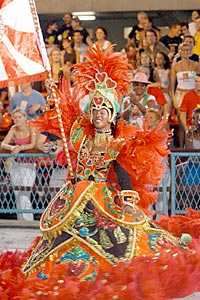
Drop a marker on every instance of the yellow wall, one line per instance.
(61, 6)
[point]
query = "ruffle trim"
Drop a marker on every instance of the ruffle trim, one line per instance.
(175, 273)
(24, 79)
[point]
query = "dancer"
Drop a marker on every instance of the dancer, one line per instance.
(97, 242)
(90, 225)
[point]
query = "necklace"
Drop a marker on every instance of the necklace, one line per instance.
(102, 136)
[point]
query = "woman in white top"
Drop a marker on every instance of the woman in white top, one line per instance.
(101, 35)
(184, 73)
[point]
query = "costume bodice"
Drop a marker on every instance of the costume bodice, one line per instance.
(92, 166)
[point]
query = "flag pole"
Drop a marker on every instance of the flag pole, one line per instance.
(51, 85)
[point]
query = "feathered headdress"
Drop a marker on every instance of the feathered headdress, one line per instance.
(103, 76)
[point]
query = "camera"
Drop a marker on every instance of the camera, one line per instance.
(52, 147)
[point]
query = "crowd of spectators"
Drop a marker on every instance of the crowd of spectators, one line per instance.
(170, 61)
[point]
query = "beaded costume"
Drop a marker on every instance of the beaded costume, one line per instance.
(97, 241)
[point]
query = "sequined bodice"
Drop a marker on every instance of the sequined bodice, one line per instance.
(92, 166)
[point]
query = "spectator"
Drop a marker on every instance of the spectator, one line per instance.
(162, 67)
(196, 48)
(50, 35)
(101, 35)
(66, 29)
(192, 26)
(135, 106)
(69, 55)
(154, 117)
(193, 133)
(172, 39)
(77, 25)
(153, 45)
(191, 100)
(134, 35)
(132, 55)
(78, 44)
(156, 91)
(21, 137)
(184, 29)
(145, 60)
(188, 39)
(184, 73)
(29, 100)
(56, 64)
(50, 143)
(147, 25)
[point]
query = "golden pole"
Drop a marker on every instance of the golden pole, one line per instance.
(51, 85)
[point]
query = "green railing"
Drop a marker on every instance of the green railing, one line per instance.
(28, 182)
(185, 181)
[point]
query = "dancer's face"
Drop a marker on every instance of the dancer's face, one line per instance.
(100, 119)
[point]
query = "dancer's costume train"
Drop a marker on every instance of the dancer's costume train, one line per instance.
(87, 234)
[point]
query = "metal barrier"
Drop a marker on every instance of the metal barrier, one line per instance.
(28, 182)
(185, 181)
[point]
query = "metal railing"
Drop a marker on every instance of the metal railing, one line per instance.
(185, 181)
(29, 181)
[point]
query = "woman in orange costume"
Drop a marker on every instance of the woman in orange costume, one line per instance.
(96, 241)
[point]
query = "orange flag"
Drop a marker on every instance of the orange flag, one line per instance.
(23, 56)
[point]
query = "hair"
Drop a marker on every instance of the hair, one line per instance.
(67, 13)
(189, 36)
(128, 45)
(20, 111)
(79, 31)
(70, 40)
(50, 55)
(184, 24)
(180, 47)
(152, 31)
(198, 17)
(150, 59)
(77, 20)
(197, 74)
(103, 29)
(156, 112)
(167, 61)
(174, 25)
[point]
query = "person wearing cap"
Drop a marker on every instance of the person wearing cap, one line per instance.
(135, 105)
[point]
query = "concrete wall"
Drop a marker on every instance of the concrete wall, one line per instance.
(60, 6)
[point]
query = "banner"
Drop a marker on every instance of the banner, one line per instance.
(23, 56)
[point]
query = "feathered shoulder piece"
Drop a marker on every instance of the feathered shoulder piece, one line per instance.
(68, 111)
(113, 64)
(142, 153)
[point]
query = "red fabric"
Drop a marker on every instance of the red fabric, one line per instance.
(23, 53)
(158, 94)
(113, 63)
(190, 102)
(138, 155)
(174, 273)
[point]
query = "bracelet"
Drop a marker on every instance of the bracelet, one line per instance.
(23, 147)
